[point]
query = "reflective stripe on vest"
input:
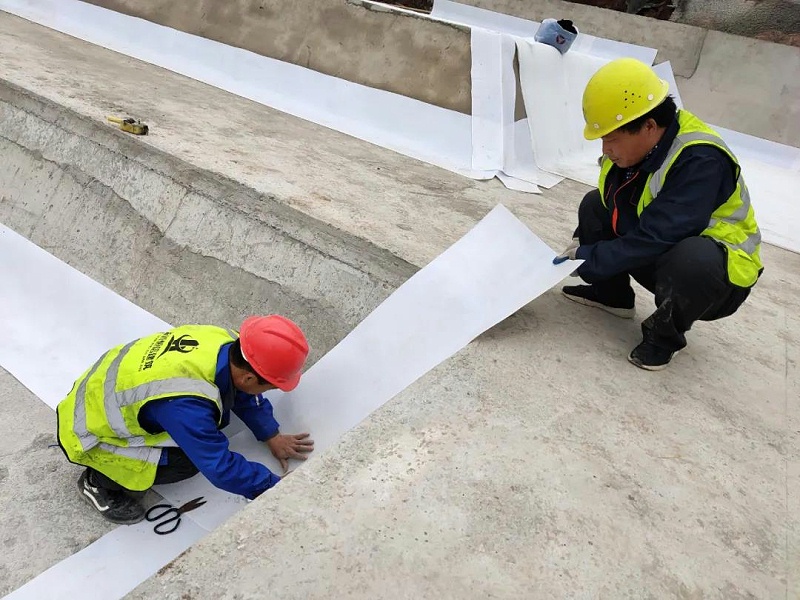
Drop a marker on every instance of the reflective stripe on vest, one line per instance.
(113, 400)
(732, 224)
(143, 453)
(740, 214)
(98, 425)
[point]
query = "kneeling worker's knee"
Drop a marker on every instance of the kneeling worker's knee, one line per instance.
(591, 203)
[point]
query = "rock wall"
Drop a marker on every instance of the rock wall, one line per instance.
(771, 20)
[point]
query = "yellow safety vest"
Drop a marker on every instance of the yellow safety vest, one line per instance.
(733, 224)
(98, 422)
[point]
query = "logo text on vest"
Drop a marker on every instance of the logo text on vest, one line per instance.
(183, 344)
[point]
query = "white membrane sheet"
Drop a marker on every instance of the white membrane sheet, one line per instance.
(773, 193)
(112, 566)
(499, 144)
(664, 71)
(493, 107)
(552, 86)
(494, 270)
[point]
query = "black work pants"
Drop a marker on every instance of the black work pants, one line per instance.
(689, 281)
(178, 468)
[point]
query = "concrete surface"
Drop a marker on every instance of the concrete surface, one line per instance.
(43, 521)
(761, 96)
(773, 20)
(385, 50)
(535, 463)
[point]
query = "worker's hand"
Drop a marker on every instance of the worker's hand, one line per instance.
(569, 253)
(290, 445)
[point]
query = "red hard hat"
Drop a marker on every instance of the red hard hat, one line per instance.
(276, 349)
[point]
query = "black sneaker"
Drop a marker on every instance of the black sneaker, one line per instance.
(115, 506)
(650, 357)
(588, 296)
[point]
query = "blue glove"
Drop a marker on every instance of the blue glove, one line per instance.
(558, 34)
(569, 253)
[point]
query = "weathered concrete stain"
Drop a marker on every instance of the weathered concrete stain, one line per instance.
(771, 20)
(394, 52)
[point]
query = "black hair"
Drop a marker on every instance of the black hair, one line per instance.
(238, 360)
(663, 114)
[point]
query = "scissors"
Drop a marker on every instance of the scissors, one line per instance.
(163, 510)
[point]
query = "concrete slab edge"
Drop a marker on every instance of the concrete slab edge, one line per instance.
(78, 183)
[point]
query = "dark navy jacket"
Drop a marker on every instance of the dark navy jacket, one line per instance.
(192, 423)
(700, 181)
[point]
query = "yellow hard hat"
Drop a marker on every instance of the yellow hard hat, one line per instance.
(618, 93)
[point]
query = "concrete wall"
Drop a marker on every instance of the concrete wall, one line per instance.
(385, 50)
(747, 85)
(772, 20)
(179, 229)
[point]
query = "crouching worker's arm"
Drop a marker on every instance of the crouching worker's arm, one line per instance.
(290, 445)
(256, 412)
(191, 423)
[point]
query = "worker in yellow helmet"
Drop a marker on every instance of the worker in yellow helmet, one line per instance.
(671, 209)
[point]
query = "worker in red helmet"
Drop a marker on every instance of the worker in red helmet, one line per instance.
(151, 412)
